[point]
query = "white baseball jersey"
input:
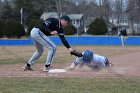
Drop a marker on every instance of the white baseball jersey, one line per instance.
(97, 60)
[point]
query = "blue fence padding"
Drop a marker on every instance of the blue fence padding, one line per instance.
(16, 42)
(79, 40)
(133, 41)
(93, 40)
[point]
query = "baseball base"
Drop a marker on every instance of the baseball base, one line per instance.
(57, 71)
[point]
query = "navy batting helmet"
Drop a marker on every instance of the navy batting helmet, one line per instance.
(87, 56)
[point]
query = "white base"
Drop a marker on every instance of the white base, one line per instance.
(56, 71)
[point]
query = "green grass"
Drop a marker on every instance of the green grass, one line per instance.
(11, 61)
(68, 85)
(18, 55)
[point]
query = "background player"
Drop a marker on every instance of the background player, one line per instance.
(123, 36)
(91, 60)
(40, 37)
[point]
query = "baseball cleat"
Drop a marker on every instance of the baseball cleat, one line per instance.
(111, 64)
(46, 69)
(28, 68)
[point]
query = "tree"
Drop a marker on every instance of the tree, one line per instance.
(13, 29)
(32, 9)
(138, 4)
(33, 23)
(44, 5)
(105, 8)
(133, 13)
(1, 28)
(98, 27)
(118, 9)
(1, 8)
(70, 30)
(28, 10)
(7, 12)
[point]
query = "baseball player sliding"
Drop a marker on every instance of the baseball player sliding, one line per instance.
(90, 59)
(40, 35)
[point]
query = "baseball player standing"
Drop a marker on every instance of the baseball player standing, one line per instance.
(123, 37)
(91, 60)
(40, 35)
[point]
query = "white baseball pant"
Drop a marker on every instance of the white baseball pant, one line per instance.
(41, 41)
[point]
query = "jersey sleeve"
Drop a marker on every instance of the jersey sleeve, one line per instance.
(60, 31)
(47, 23)
(44, 27)
(101, 65)
(77, 61)
(64, 41)
(125, 32)
(119, 33)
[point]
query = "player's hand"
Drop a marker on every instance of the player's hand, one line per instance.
(76, 53)
(126, 37)
(54, 33)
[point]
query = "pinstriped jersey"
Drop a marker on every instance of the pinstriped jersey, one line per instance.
(53, 24)
(49, 25)
(123, 32)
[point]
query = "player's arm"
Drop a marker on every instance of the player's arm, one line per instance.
(64, 41)
(119, 33)
(77, 61)
(126, 33)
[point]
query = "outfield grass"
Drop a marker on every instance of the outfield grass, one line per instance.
(18, 55)
(21, 54)
(67, 85)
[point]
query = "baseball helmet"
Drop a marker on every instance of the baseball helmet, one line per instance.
(87, 56)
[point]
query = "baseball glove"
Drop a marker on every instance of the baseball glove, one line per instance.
(76, 53)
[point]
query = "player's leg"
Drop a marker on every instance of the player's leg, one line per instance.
(51, 54)
(122, 40)
(37, 54)
(42, 40)
(125, 40)
(108, 64)
(45, 41)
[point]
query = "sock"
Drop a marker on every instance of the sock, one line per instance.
(28, 65)
(47, 65)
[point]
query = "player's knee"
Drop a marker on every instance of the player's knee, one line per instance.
(53, 48)
(40, 52)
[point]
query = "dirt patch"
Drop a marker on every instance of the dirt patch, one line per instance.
(126, 64)
(17, 71)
